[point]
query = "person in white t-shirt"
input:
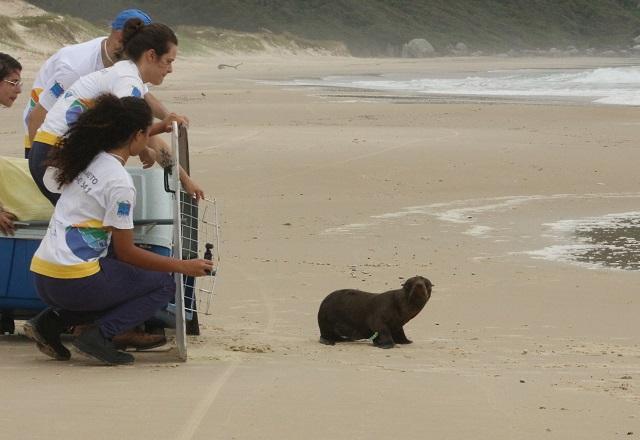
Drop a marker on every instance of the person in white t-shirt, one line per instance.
(64, 67)
(73, 269)
(150, 51)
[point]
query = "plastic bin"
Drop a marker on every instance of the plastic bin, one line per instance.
(18, 297)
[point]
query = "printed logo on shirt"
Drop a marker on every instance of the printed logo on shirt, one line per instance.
(86, 243)
(76, 108)
(56, 90)
(136, 92)
(35, 97)
(124, 209)
(33, 101)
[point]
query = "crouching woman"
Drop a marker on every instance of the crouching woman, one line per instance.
(71, 267)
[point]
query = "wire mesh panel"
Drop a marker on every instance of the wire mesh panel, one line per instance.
(196, 235)
(200, 239)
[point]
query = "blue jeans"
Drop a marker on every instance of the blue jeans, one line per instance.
(127, 294)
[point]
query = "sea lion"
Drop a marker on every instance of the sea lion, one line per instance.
(350, 315)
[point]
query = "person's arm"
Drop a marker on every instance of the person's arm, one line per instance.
(190, 186)
(164, 126)
(160, 111)
(147, 157)
(118, 217)
(61, 80)
(35, 120)
(164, 159)
(128, 252)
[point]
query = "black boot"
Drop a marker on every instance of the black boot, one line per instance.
(45, 329)
(93, 344)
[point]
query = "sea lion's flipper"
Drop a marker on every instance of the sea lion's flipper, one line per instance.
(399, 337)
(326, 341)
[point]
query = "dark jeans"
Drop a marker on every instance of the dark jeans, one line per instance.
(37, 160)
(128, 295)
(26, 153)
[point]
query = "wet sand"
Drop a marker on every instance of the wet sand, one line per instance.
(318, 193)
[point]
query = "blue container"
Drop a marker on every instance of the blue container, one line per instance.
(17, 288)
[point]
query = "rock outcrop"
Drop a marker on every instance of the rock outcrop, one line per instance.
(418, 48)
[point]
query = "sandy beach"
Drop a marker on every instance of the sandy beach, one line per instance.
(317, 192)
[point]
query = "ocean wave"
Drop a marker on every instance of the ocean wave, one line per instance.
(615, 85)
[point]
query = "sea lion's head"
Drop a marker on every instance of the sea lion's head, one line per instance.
(417, 287)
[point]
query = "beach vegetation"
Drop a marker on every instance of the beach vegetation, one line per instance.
(381, 27)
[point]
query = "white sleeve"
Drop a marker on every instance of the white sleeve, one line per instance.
(129, 86)
(120, 201)
(50, 180)
(62, 79)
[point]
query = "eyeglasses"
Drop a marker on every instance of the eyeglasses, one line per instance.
(14, 83)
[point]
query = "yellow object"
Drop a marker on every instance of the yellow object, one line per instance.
(19, 193)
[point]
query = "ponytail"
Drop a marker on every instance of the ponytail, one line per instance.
(130, 28)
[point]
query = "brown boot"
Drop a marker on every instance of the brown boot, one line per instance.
(138, 339)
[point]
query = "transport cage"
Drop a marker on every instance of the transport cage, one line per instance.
(196, 236)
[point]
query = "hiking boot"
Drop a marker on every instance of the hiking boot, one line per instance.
(45, 329)
(93, 344)
(138, 340)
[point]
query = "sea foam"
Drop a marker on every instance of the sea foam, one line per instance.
(610, 85)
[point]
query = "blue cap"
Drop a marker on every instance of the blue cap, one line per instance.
(128, 14)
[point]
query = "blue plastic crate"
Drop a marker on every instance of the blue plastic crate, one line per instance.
(17, 288)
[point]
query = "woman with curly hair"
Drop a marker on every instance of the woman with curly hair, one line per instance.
(71, 267)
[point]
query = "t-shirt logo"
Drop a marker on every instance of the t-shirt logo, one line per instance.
(86, 243)
(56, 90)
(124, 208)
(135, 92)
(76, 108)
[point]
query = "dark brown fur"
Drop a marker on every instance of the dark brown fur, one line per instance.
(349, 314)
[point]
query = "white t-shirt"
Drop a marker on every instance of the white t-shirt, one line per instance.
(103, 195)
(122, 79)
(61, 70)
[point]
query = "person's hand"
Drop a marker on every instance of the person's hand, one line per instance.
(180, 119)
(147, 157)
(6, 223)
(192, 188)
(197, 267)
